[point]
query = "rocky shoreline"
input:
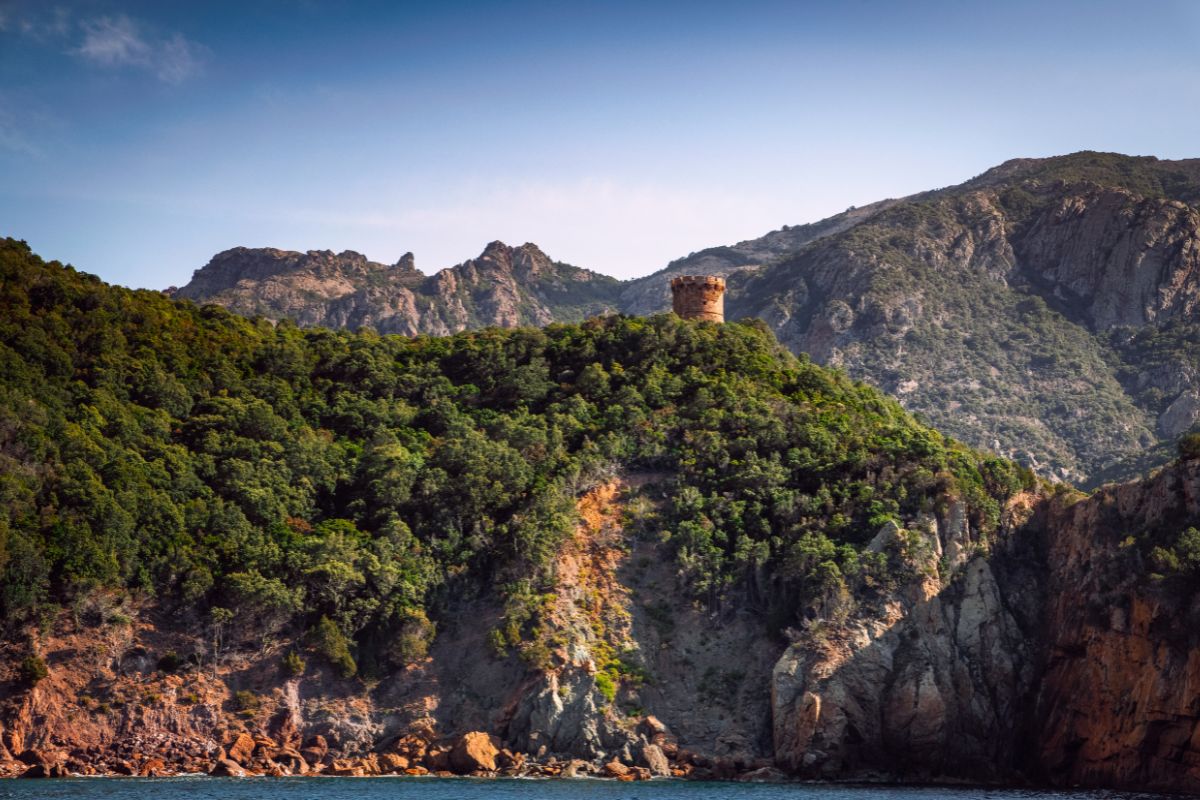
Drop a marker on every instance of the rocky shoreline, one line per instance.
(1041, 659)
(474, 754)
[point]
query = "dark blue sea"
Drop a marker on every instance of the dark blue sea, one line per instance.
(473, 789)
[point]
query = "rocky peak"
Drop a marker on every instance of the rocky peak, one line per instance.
(245, 266)
(504, 286)
(527, 256)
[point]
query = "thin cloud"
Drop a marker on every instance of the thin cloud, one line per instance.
(115, 42)
(40, 24)
(179, 59)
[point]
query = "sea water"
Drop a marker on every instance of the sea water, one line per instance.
(202, 788)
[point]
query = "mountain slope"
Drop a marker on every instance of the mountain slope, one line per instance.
(505, 286)
(1002, 309)
(652, 294)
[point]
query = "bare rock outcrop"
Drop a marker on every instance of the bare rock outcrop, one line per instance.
(474, 752)
(929, 683)
(504, 286)
(1117, 705)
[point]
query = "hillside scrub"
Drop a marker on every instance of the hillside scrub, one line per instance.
(342, 483)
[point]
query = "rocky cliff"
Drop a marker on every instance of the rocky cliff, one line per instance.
(505, 286)
(1048, 657)
(1047, 653)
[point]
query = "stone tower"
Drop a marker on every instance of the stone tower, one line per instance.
(699, 297)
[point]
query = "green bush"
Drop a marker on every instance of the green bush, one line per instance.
(331, 643)
(1182, 557)
(33, 670)
(1189, 446)
(245, 700)
(170, 662)
(606, 686)
(293, 664)
(412, 639)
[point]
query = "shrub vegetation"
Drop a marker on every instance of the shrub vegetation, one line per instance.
(260, 478)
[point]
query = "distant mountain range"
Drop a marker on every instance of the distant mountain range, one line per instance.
(505, 286)
(1048, 309)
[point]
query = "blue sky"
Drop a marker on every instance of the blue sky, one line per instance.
(138, 139)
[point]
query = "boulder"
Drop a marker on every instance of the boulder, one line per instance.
(227, 768)
(242, 749)
(653, 759)
(347, 767)
(437, 759)
(153, 767)
(312, 755)
(614, 769)
(474, 752)
(411, 746)
(392, 763)
(763, 775)
(652, 728)
(48, 757)
(292, 761)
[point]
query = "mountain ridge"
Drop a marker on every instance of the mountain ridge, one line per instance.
(1032, 288)
(504, 285)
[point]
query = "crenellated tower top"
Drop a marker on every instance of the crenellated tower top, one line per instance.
(699, 297)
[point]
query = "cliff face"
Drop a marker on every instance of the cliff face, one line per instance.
(505, 286)
(1051, 658)
(931, 682)
(1046, 654)
(1114, 257)
(1119, 703)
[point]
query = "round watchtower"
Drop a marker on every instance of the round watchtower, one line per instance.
(699, 297)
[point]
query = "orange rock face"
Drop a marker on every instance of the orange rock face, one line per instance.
(1120, 701)
(242, 748)
(474, 752)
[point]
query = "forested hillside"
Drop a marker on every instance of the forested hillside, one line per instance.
(304, 477)
(639, 542)
(1045, 310)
